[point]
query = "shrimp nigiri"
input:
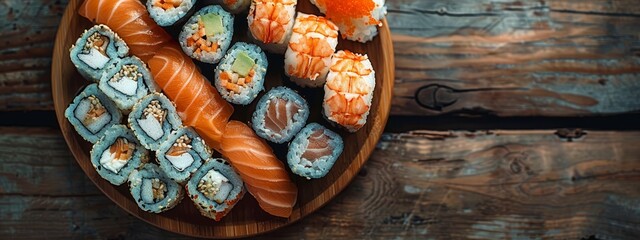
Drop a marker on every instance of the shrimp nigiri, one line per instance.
(271, 22)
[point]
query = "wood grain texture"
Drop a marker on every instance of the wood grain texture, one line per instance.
(417, 185)
(247, 218)
(516, 58)
(464, 57)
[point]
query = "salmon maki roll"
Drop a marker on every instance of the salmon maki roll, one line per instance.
(152, 119)
(153, 191)
(215, 188)
(168, 12)
(357, 21)
(127, 82)
(240, 74)
(349, 90)
(97, 49)
(91, 113)
(117, 154)
(207, 35)
(263, 174)
(280, 114)
(271, 23)
(308, 54)
(182, 154)
(314, 151)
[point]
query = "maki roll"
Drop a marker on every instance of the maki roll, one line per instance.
(127, 82)
(153, 191)
(152, 120)
(314, 151)
(280, 114)
(271, 23)
(349, 90)
(235, 6)
(168, 12)
(357, 22)
(207, 34)
(215, 188)
(308, 54)
(182, 154)
(117, 154)
(97, 49)
(240, 74)
(91, 113)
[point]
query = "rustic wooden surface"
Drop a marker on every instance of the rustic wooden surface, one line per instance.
(464, 58)
(441, 185)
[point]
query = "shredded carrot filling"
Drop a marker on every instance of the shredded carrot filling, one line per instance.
(342, 12)
(233, 82)
(167, 4)
(198, 41)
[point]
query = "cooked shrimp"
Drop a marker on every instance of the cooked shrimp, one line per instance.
(269, 20)
(308, 57)
(349, 90)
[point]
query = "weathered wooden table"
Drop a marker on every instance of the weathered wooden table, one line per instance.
(465, 69)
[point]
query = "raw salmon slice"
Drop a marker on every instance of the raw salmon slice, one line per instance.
(263, 174)
(199, 104)
(131, 21)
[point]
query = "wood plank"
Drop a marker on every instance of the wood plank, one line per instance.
(420, 184)
(464, 57)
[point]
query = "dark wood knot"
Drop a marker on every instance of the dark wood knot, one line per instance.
(570, 133)
(436, 97)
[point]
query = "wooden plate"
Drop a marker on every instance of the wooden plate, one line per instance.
(246, 219)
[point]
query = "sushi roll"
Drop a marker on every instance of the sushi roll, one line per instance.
(215, 188)
(308, 54)
(168, 12)
(153, 191)
(97, 49)
(127, 82)
(152, 120)
(280, 114)
(117, 154)
(207, 35)
(240, 74)
(272, 31)
(314, 151)
(91, 113)
(349, 90)
(357, 22)
(182, 154)
(235, 6)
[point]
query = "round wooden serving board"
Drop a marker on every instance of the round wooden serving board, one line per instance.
(246, 218)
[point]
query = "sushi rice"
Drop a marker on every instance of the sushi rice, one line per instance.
(97, 49)
(117, 154)
(238, 87)
(91, 113)
(153, 191)
(204, 45)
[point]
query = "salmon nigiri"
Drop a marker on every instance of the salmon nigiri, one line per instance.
(131, 21)
(263, 174)
(198, 103)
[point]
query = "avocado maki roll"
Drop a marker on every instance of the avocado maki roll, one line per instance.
(215, 188)
(280, 114)
(152, 119)
(153, 191)
(117, 154)
(97, 49)
(240, 74)
(91, 113)
(127, 82)
(314, 151)
(182, 154)
(207, 35)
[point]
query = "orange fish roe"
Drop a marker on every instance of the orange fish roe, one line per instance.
(342, 12)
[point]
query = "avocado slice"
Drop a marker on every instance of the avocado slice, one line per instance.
(243, 64)
(212, 24)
